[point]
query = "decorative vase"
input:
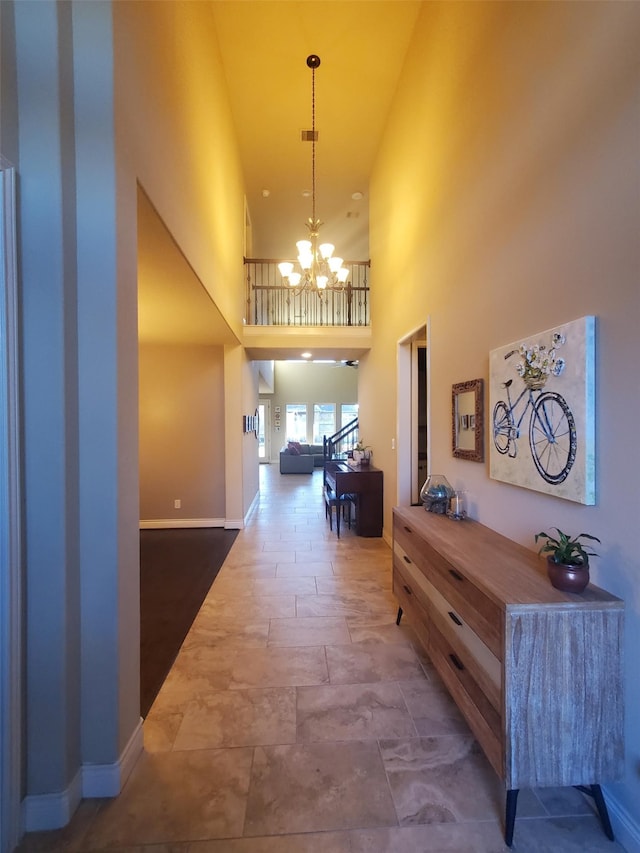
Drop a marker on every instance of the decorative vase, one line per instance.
(357, 456)
(457, 510)
(568, 577)
(436, 494)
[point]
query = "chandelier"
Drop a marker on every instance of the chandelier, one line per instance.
(319, 269)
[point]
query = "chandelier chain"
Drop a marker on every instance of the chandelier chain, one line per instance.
(313, 143)
(319, 269)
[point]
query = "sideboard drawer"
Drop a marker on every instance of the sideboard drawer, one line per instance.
(408, 589)
(487, 667)
(459, 674)
(434, 607)
(480, 612)
(420, 587)
(404, 589)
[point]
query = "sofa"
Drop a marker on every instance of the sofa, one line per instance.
(299, 458)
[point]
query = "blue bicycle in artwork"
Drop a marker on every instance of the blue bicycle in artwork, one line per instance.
(552, 429)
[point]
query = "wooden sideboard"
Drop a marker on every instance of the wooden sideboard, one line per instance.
(536, 672)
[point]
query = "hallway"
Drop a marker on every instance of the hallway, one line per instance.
(298, 718)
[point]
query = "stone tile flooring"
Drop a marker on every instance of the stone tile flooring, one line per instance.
(298, 718)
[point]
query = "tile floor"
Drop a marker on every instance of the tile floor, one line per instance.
(299, 718)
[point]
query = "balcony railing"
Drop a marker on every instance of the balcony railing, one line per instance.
(272, 303)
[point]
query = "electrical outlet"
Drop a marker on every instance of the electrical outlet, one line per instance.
(393, 444)
(177, 504)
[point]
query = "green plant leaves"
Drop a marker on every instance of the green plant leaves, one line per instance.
(566, 549)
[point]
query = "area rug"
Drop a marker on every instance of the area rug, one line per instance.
(177, 568)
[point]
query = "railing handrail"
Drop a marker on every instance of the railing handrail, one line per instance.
(272, 302)
(330, 443)
(293, 261)
(345, 430)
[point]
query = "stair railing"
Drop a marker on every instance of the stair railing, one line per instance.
(342, 442)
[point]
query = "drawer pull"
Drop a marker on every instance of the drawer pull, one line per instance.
(408, 529)
(407, 589)
(454, 618)
(406, 559)
(456, 575)
(456, 662)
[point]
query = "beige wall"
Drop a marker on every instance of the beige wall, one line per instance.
(505, 202)
(180, 142)
(181, 433)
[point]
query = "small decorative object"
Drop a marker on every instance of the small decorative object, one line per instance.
(362, 454)
(567, 560)
(457, 511)
(436, 494)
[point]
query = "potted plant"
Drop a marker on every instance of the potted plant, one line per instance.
(361, 453)
(567, 560)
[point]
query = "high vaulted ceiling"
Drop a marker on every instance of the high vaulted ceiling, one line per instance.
(264, 46)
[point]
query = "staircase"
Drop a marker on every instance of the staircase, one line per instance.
(341, 443)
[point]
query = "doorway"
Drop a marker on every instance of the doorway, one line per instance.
(419, 420)
(264, 431)
(413, 449)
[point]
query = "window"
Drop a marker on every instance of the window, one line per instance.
(324, 421)
(348, 413)
(296, 423)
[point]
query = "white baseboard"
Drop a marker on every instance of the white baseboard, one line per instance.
(53, 811)
(234, 524)
(176, 523)
(625, 828)
(107, 780)
(253, 507)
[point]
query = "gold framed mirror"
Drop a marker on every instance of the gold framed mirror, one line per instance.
(467, 420)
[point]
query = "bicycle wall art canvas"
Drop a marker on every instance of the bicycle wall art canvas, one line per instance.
(542, 403)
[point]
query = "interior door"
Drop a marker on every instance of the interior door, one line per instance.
(419, 454)
(419, 442)
(412, 415)
(264, 431)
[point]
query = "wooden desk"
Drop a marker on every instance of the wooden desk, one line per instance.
(366, 483)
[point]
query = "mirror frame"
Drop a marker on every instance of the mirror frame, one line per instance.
(477, 387)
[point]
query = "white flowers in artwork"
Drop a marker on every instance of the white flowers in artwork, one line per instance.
(537, 362)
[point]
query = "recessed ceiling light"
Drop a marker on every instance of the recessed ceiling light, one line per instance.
(306, 355)
(266, 193)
